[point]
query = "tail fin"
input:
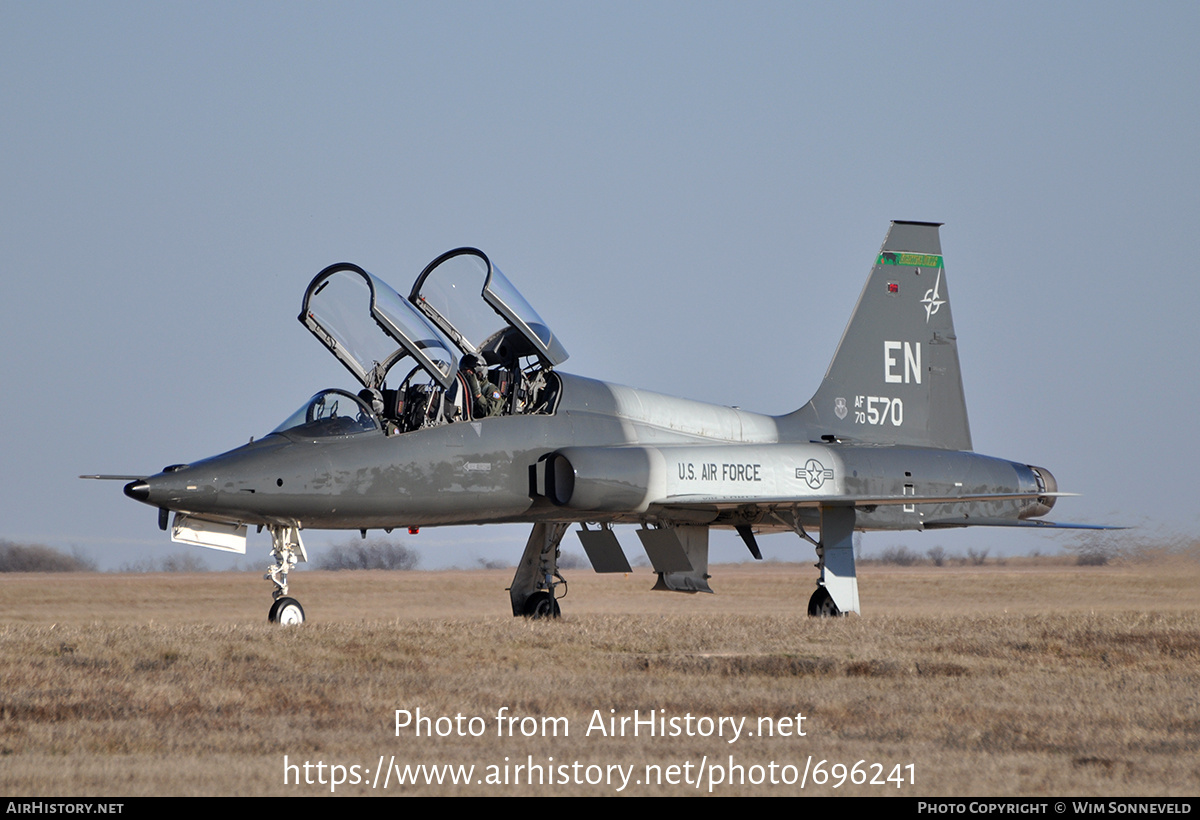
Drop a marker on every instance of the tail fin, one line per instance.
(895, 377)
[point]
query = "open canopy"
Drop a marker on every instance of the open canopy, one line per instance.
(370, 327)
(474, 304)
(464, 332)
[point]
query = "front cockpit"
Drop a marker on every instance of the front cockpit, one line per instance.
(331, 413)
(466, 345)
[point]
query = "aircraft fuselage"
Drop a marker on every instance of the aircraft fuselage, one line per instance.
(650, 449)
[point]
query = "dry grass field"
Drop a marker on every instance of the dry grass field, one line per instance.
(1035, 678)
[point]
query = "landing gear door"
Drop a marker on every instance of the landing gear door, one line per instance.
(370, 327)
(475, 305)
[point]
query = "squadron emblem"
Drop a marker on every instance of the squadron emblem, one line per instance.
(933, 300)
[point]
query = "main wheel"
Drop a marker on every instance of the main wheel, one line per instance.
(821, 605)
(541, 605)
(286, 612)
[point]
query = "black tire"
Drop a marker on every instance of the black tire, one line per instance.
(821, 605)
(541, 605)
(286, 612)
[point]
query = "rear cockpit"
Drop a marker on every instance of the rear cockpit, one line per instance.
(467, 343)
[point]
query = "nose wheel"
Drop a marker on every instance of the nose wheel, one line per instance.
(286, 612)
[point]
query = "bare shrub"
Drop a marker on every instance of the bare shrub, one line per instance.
(566, 560)
(40, 558)
(179, 562)
(140, 565)
(377, 553)
(977, 557)
(572, 560)
(937, 555)
(184, 562)
(1094, 548)
(900, 556)
(1138, 549)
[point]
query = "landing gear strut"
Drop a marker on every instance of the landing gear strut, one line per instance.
(535, 584)
(287, 549)
(837, 587)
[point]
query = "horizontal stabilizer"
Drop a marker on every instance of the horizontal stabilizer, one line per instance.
(947, 523)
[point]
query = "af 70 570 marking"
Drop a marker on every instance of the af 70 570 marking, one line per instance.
(879, 410)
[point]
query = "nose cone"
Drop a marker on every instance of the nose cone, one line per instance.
(233, 485)
(187, 489)
(138, 491)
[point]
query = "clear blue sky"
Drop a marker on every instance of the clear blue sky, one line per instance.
(691, 194)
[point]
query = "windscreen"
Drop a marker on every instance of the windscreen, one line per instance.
(330, 413)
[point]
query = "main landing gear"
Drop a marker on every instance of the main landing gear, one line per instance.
(542, 604)
(821, 605)
(837, 586)
(287, 549)
(534, 590)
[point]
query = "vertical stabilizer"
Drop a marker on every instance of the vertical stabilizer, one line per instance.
(895, 378)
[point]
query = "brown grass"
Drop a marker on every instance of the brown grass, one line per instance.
(1034, 680)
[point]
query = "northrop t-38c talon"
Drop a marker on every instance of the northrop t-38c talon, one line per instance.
(464, 418)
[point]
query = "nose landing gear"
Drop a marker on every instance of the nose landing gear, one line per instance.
(286, 612)
(287, 549)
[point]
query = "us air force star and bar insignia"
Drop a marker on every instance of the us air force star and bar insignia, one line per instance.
(814, 473)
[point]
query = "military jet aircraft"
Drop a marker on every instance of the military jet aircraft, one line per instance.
(465, 418)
